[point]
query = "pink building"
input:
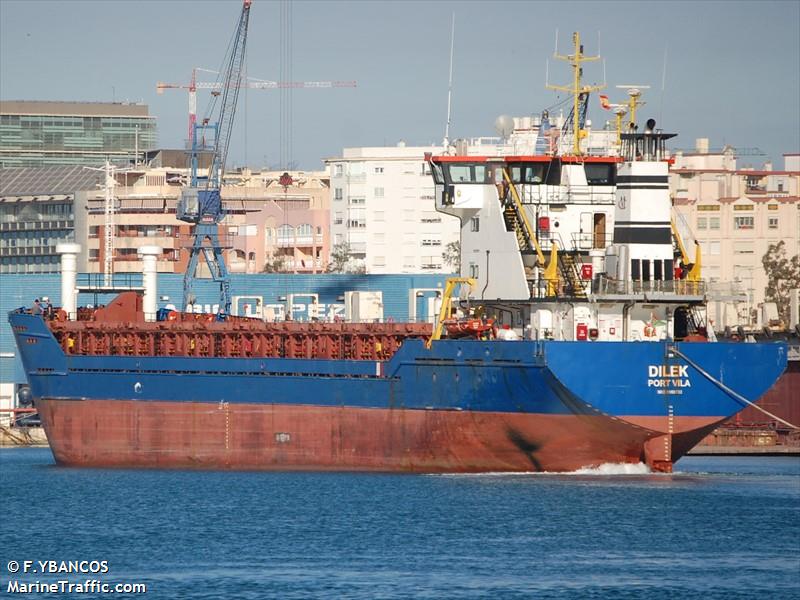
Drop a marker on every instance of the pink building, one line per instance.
(268, 226)
(279, 227)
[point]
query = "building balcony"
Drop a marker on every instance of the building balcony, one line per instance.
(133, 233)
(137, 242)
(129, 258)
(300, 241)
(306, 264)
(358, 247)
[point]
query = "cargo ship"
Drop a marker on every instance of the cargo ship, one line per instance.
(554, 355)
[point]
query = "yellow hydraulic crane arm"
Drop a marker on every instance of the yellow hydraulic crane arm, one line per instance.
(551, 272)
(695, 271)
(684, 255)
(444, 310)
(523, 216)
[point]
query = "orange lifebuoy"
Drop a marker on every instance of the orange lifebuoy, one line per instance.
(172, 315)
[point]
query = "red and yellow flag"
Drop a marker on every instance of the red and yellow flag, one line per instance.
(604, 102)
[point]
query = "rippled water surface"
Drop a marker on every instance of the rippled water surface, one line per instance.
(719, 527)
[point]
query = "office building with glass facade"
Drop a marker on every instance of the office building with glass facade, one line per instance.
(41, 207)
(42, 133)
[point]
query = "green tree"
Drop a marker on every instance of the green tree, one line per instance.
(783, 274)
(274, 264)
(452, 256)
(340, 257)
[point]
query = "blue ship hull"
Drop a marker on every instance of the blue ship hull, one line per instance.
(458, 406)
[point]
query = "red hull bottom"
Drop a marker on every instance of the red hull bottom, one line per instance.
(110, 433)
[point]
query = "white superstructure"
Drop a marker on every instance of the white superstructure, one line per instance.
(538, 272)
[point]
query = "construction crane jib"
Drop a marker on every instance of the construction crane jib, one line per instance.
(201, 202)
(252, 83)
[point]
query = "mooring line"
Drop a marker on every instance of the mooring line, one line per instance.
(729, 391)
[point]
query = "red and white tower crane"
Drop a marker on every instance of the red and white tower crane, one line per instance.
(252, 83)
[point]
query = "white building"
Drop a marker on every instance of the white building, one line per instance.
(736, 213)
(382, 205)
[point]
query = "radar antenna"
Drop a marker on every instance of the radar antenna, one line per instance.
(634, 101)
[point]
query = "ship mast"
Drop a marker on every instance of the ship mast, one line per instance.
(576, 89)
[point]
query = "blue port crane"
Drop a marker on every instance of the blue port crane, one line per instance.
(201, 202)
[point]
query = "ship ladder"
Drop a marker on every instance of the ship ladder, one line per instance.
(523, 229)
(569, 269)
(736, 396)
(512, 224)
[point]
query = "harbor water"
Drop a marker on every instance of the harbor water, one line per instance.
(717, 528)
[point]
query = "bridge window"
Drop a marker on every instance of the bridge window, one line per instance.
(599, 173)
(529, 173)
(438, 176)
(466, 173)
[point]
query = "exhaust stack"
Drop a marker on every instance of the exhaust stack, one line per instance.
(69, 269)
(149, 256)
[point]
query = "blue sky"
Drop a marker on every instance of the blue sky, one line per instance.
(732, 68)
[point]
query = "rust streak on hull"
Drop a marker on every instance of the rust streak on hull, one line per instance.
(112, 433)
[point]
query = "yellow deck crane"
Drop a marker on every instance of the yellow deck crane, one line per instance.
(696, 265)
(444, 310)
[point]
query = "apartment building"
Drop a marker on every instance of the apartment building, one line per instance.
(273, 223)
(735, 213)
(280, 222)
(382, 207)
